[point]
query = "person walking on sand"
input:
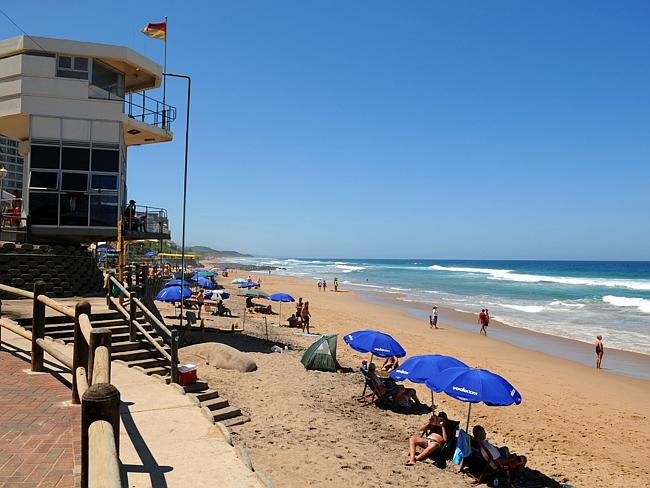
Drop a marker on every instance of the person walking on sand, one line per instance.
(305, 317)
(324, 285)
(487, 319)
(433, 319)
(320, 284)
(336, 284)
(481, 320)
(600, 350)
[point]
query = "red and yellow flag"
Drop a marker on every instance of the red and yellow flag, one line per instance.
(157, 30)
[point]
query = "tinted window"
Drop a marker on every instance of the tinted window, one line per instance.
(43, 180)
(65, 62)
(43, 208)
(104, 182)
(103, 211)
(74, 181)
(74, 209)
(75, 158)
(45, 157)
(106, 160)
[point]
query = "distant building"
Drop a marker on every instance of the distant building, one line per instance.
(75, 108)
(13, 163)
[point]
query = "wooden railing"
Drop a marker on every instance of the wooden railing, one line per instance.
(130, 314)
(91, 381)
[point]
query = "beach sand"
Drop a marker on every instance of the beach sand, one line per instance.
(577, 425)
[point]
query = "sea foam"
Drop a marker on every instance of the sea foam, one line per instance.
(506, 274)
(641, 303)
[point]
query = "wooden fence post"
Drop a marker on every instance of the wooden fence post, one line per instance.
(100, 402)
(132, 317)
(38, 326)
(145, 280)
(174, 355)
(80, 352)
(101, 336)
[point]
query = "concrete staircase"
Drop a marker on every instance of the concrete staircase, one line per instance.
(142, 355)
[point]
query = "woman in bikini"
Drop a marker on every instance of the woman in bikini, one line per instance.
(435, 435)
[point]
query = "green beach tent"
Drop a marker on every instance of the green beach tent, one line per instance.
(321, 355)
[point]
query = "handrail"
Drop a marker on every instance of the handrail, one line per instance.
(17, 291)
(104, 467)
(144, 332)
(100, 399)
(152, 317)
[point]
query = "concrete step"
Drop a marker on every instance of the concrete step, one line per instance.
(225, 413)
(215, 404)
(156, 370)
(197, 387)
(149, 362)
(135, 354)
(231, 422)
(204, 395)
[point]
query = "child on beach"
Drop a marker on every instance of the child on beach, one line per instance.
(364, 365)
(600, 350)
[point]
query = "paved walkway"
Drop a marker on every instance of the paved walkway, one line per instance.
(39, 430)
(165, 440)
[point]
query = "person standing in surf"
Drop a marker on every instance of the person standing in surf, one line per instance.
(433, 318)
(481, 320)
(600, 350)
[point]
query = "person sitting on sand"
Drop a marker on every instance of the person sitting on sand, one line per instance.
(390, 364)
(364, 365)
(498, 458)
(434, 435)
(293, 321)
(222, 310)
(250, 305)
(387, 387)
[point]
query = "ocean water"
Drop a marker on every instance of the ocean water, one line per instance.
(572, 299)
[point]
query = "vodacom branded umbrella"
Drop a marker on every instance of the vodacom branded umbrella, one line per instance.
(375, 342)
(473, 385)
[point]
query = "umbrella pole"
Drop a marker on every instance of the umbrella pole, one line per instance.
(365, 386)
(266, 326)
(469, 411)
(280, 316)
(433, 405)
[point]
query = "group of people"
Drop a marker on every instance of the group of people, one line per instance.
(322, 285)
(302, 316)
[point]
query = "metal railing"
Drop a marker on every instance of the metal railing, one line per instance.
(149, 110)
(91, 381)
(143, 218)
(129, 311)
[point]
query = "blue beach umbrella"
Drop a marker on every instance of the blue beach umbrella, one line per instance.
(236, 281)
(248, 284)
(216, 294)
(473, 385)
(419, 369)
(281, 297)
(151, 254)
(374, 342)
(105, 249)
(172, 294)
(178, 283)
(204, 282)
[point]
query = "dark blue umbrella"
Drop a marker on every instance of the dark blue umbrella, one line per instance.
(216, 294)
(281, 297)
(204, 282)
(473, 385)
(172, 294)
(419, 369)
(151, 254)
(178, 283)
(374, 342)
(248, 284)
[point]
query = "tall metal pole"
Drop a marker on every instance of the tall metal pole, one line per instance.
(164, 71)
(187, 143)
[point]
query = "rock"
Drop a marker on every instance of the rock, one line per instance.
(221, 356)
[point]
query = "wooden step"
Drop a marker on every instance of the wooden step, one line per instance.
(225, 413)
(215, 404)
(205, 395)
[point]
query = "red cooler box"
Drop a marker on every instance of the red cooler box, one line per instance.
(186, 374)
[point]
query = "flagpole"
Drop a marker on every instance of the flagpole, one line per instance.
(165, 70)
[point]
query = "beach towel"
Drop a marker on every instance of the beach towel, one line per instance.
(463, 447)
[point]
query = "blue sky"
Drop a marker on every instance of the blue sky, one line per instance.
(395, 129)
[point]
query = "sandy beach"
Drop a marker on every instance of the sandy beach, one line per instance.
(576, 425)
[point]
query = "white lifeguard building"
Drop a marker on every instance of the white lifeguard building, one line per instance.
(75, 108)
